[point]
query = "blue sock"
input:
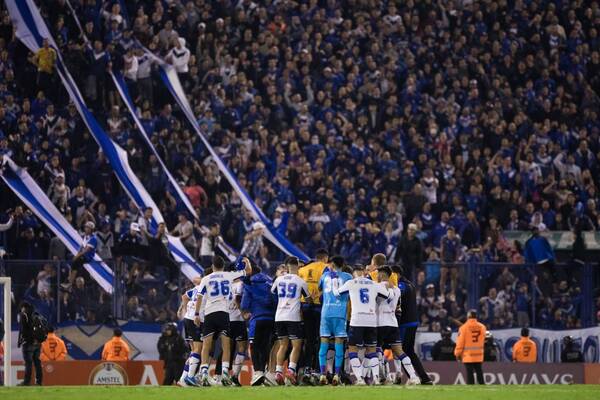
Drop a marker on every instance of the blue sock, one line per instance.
(339, 357)
(323, 357)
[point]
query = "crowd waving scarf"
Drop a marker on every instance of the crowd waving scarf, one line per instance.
(19, 180)
(171, 81)
(31, 30)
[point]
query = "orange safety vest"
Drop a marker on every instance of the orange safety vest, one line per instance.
(470, 341)
(53, 349)
(116, 349)
(525, 350)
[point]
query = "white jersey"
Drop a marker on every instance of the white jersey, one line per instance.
(386, 309)
(190, 310)
(289, 288)
(363, 298)
(216, 289)
(234, 310)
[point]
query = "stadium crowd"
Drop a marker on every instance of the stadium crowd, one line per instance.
(359, 126)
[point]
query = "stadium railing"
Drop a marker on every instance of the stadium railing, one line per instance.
(130, 300)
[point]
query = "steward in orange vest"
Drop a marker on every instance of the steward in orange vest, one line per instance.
(525, 350)
(53, 348)
(469, 347)
(116, 349)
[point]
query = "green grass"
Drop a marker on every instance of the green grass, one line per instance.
(528, 392)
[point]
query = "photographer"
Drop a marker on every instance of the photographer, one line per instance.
(31, 330)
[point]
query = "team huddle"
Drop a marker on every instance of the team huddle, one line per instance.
(282, 319)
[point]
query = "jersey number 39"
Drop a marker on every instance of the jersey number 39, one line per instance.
(287, 290)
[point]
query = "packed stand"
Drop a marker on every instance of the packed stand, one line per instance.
(346, 122)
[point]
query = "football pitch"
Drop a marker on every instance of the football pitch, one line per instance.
(492, 392)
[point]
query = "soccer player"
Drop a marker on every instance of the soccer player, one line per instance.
(193, 333)
(215, 289)
(333, 317)
(408, 322)
(363, 321)
(379, 260)
(288, 319)
(258, 306)
(311, 310)
(239, 333)
(388, 333)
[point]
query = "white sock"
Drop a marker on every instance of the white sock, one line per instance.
(279, 369)
(186, 368)
(366, 366)
(374, 364)
(204, 369)
(193, 361)
(398, 366)
(292, 366)
(356, 366)
(225, 367)
(407, 363)
(330, 360)
(238, 363)
(382, 362)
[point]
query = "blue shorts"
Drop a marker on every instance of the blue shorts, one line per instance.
(333, 327)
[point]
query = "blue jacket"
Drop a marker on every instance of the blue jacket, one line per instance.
(537, 250)
(257, 298)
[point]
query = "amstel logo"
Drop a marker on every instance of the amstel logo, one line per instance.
(108, 374)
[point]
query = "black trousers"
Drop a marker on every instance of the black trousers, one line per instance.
(31, 356)
(312, 322)
(261, 344)
(408, 335)
(474, 368)
(172, 371)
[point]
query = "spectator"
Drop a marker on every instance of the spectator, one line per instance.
(410, 251)
(253, 240)
(450, 251)
(185, 231)
(45, 59)
(130, 243)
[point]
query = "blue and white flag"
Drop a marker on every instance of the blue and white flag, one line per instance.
(171, 81)
(19, 180)
(121, 86)
(124, 92)
(31, 30)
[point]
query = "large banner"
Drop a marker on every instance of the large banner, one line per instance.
(85, 342)
(442, 373)
(548, 343)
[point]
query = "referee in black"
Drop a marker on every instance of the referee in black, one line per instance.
(408, 322)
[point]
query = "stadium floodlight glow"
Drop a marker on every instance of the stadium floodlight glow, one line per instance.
(5, 286)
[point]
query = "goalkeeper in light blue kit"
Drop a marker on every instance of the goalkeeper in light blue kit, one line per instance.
(333, 317)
